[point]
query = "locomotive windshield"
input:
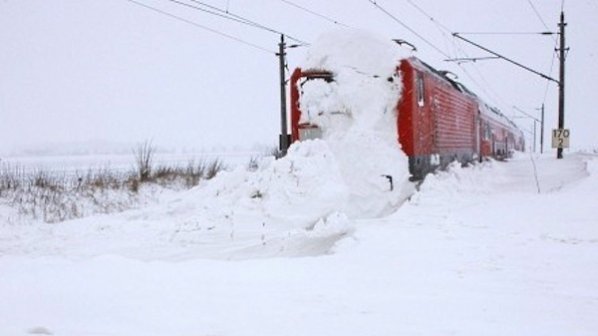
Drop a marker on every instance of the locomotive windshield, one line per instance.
(310, 84)
(325, 75)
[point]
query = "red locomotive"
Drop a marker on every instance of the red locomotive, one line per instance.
(439, 120)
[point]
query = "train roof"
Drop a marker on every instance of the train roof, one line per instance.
(496, 114)
(491, 111)
(443, 75)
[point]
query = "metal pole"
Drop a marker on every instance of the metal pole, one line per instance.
(542, 131)
(284, 140)
(559, 152)
(534, 135)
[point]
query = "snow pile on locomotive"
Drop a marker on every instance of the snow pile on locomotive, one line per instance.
(351, 103)
(363, 90)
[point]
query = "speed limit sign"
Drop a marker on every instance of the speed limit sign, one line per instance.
(560, 138)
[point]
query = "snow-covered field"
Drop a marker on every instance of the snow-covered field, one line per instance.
(124, 162)
(476, 251)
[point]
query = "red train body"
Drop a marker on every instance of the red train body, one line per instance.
(438, 119)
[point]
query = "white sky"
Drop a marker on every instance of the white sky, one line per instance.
(110, 70)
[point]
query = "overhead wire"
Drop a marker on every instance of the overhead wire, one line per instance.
(490, 93)
(550, 74)
(508, 33)
(414, 32)
(555, 43)
(436, 22)
(312, 12)
(554, 55)
(538, 14)
(441, 28)
(487, 89)
(197, 25)
(228, 15)
(225, 16)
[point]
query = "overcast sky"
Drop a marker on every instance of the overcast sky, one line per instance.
(112, 70)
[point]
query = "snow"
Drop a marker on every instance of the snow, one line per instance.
(356, 51)
(67, 163)
(357, 115)
(317, 243)
(475, 251)
(291, 206)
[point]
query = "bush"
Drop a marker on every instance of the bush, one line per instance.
(144, 156)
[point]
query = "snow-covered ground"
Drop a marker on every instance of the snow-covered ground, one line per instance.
(476, 251)
(62, 164)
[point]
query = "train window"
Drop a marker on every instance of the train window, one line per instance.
(487, 132)
(420, 89)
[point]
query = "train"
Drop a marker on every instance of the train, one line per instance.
(439, 120)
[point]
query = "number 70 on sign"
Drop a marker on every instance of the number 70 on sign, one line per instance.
(560, 138)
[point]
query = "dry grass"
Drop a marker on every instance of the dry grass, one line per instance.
(56, 197)
(189, 176)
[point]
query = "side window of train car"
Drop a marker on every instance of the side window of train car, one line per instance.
(487, 131)
(420, 89)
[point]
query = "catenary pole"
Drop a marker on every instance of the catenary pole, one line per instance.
(542, 131)
(535, 134)
(283, 139)
(562, 50)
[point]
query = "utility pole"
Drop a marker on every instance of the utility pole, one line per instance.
(535, 136)
(535, 120)
(562, 50)
(542, 131)
(284, 137)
